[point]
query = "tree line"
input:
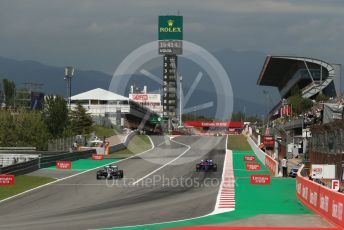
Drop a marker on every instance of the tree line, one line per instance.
(34, 128)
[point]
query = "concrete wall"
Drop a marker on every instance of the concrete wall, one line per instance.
(10, 159)
(270, 163)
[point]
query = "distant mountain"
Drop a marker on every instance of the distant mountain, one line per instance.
(51, 77)
(243, 69)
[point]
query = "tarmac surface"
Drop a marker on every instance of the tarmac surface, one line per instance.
(159, 185)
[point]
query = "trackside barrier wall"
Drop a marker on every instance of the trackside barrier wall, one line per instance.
(47, 161)
(21, 168)
(115, 148)
(44, 161)
(322, 200)
(50, 160)
(270, 163)
(128, 138)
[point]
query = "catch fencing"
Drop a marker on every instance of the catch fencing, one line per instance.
(61, 144)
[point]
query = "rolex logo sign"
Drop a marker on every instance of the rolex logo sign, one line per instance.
(170, 28)
(170, 23)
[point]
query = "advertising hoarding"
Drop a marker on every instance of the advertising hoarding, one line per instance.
(7, 180)
(322, 200)
(252, 166)
(141, 97)
(63, 165)
(269, 141)
(260, 179)
(97, 157)
(234, 125)
(286, 110)
(271, 164)
(249, 158)
(170, 27)
(322, 171)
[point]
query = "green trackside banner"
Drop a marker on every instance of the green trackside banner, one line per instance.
(170, 28)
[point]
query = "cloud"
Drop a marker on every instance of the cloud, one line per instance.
(81, 31)
(273, 6)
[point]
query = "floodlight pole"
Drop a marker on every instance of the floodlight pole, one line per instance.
(180, 101)
(69, 73)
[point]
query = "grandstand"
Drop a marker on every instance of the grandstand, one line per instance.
(316, 132)
(311, 75)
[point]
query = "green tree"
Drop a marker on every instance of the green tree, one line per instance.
(300, 104)
(253, 119)
(80, 120)
(238, 116)
(7, 125)
(9, 91)
(195, 117)
(31, 130)
(321, 97)
(55, 115)
(24, 129)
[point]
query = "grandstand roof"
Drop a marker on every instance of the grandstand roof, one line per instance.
(278, 70)
(99, 94)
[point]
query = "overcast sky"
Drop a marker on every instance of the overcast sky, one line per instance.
(98, 34)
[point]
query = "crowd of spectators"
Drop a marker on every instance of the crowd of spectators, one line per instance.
(315, 114)
(312, 116)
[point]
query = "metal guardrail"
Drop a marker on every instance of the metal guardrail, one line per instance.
(10, 159)
(5, 149)
(44, 161)
(21, 168)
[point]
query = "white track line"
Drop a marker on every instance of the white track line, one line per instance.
(65, 178)
(225, 201)
(173, 221)
(154, 171)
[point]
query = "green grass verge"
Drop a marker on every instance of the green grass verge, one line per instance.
(23, 183)
(137, 144)
(238, 142)
(251, 200)
(102, 131)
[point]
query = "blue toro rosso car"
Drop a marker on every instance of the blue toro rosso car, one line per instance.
(206, 166)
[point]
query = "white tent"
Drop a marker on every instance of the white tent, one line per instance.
(99, 94)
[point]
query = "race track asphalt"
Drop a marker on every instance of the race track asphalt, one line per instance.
(175, 191)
